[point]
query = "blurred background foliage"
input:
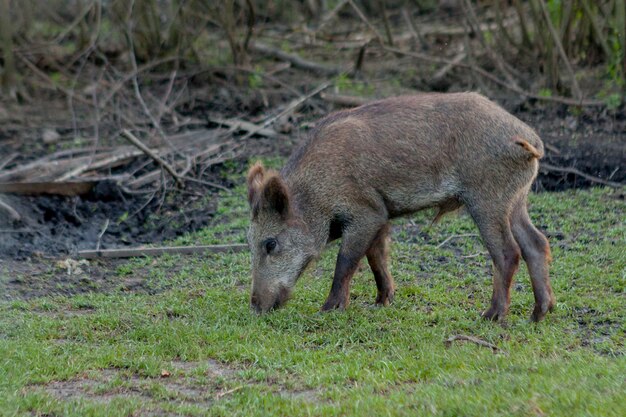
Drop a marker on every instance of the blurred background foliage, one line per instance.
(56, 35)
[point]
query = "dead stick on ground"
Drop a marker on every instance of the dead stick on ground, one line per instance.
(575, 171)
(346, 101)
(104, 229)
(293, 105)
(295, 60)
(472, 339)
(442, 244)
(185, 250)
(559, 47)
(12, 212)
(98, 164)
(133, 139)
(8, 160)
(230, 391)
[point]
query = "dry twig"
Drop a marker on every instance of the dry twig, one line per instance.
(346, 101)
(133, 139)
(13, 214)
(449, 238)
(107, 162)
(472, 339)
(68, 188)
(238, 124)
(8, 160)
(569, 170)
(295, 60)
(230, 391)
(293, 105)
(157, 251)
(104, 229)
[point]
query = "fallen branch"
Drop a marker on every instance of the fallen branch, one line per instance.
(56, 157)
(439, 75)
(158, 251)
(295, 60)
(293, 105)
(346, 101)
(568, 170)
(133, 139)
(99, 164)
(8, 160)
(237, 124)
(13, 214)
(465, 338)
(435, 29)
(67, 188)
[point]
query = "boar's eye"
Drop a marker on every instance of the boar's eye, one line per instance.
(270, 245)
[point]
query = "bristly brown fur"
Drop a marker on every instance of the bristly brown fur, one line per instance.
(255, 179)
(275, 194)
(266, 190)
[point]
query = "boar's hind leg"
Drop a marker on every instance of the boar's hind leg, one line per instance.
(494, 227)
(355, 241)
(536, 254)
(377, 256)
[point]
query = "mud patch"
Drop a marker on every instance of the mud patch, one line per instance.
(590, 140)
(42, 277)
(107, 217)
(200, 383)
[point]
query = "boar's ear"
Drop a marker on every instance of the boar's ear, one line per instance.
(276, 195)
(255, 179)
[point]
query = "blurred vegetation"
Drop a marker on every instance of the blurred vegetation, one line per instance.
(554, 34)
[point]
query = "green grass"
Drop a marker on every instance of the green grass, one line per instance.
(103, 353)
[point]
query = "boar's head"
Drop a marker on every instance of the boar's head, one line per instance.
(280, 243)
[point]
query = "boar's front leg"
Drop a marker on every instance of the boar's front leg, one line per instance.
(357, 238)
(377, 257)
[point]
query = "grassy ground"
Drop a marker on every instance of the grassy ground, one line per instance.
(186, 343)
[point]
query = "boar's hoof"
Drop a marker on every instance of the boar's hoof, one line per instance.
(494, 313)
(335, 303)
(540, 310)
(384, 298)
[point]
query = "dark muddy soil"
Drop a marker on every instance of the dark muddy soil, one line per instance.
(106, 217)
(593, 142)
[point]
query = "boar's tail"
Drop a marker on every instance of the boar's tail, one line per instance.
(528, 147)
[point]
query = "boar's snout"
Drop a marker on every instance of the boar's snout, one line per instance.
(262, 303)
